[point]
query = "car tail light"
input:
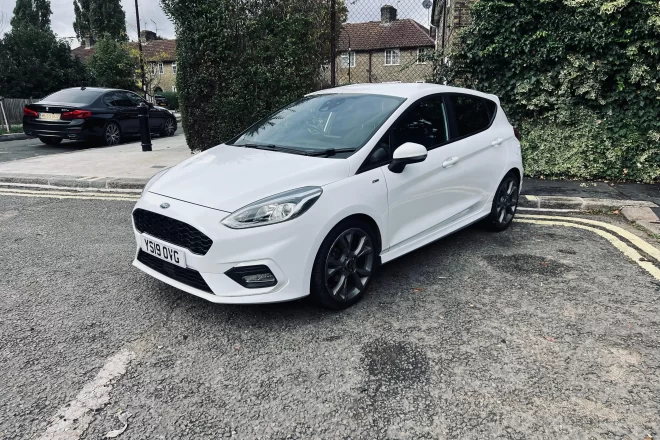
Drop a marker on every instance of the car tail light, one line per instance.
(77, 114)
(30, 113)
(517, 133)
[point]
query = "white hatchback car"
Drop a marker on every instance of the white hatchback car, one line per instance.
(312, 199)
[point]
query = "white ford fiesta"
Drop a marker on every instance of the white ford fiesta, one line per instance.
(314, 198)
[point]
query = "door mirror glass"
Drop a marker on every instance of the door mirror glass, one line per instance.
(407, 154)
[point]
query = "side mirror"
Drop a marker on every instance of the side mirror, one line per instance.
(406, 154)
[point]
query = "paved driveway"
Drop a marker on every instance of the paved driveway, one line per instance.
(543, 331)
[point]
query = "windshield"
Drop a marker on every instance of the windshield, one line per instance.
(321, 122)
(74, 96)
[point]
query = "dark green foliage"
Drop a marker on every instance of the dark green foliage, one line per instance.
(172, 100)
(34, 13)
(580, 78)
(112, 65)
(99, 19)
(34, 63)
(238, 61)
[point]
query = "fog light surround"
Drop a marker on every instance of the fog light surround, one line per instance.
(252, 277)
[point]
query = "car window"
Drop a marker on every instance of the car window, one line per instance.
(112, 99)
(424, 123)
(324, 121)
(472, 114)
(74, 96)
(134, 99)
(129, 99)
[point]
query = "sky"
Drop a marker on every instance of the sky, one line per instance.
(62, 18)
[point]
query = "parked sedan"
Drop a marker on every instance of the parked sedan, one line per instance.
(314, 198)
(94, 114)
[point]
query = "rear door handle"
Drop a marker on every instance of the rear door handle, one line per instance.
(497, 142)
(450, 162)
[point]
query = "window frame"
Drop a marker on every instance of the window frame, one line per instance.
(161, 68)
(453, 127)
(351, 59)
(174, 89)
(419, 49)
(450, 122)
(398, 57)
(153, 69)
(174, 68)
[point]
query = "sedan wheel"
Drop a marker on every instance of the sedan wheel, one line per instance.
(505, 204)
(112, 135)
(169, 127)
(344, 265)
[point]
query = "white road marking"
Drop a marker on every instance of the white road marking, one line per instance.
(127, 198)
(72, 419)
(629, 251)
(547, 209)
(55, 188)
(67, 193)
(641, 244)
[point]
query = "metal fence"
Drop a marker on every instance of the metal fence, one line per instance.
(381, 41)
(14, 110)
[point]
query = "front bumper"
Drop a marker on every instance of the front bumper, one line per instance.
(286, 248)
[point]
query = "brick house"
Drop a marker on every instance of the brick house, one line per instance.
(159, 56)
(457, 16)
(387, 50)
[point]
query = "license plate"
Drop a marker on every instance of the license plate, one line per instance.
(49, 116)
(164, 251)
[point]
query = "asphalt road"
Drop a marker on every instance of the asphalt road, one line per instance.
(537, 332)
(24, 149)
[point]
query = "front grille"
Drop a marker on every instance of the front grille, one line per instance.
(186, 276)
(171, 230)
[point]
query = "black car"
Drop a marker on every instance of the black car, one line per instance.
(161, 100)
(90, 113)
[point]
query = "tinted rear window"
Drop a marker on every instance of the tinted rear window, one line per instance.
(74, 96)
(473, 114)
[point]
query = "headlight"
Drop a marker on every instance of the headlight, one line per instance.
(154, 179)
(276, 209)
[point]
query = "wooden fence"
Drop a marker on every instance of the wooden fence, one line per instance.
(14, 110)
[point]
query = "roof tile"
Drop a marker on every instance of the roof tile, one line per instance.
(373, 35)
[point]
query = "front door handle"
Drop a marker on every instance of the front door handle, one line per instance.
(497, 142)
(450, 162)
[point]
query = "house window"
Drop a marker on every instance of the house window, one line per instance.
(174, 67)
(161, 70)
(174, 88)
(153, 68)
(423, 55)
(392, 57)
(347, 59)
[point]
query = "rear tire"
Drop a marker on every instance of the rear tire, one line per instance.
(505, 204)
(50, 140)
(344, 265)
(168, 128)
(111, 134)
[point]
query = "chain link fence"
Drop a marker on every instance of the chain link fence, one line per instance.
(382, 41)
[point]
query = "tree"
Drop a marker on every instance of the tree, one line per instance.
(238, 61)
(34, 62)
(112, 65)
(581, 79)
(32, 13)
(99, 19)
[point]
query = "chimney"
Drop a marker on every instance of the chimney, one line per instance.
(387, 14)
(88, 42)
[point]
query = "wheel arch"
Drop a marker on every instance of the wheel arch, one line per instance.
(371, 222)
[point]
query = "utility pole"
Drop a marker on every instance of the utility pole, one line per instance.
(333, 35)
(444, 27)
(137, 22)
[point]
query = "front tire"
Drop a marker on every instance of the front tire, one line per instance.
(505, 204)
(344, 265)
(168, 128)
(50, 140)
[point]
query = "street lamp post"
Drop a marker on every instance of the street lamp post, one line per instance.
(144, 82)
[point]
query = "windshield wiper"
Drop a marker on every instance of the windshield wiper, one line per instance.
(272, 147)
(330, 151)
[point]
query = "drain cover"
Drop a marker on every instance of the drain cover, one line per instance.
(158, 166)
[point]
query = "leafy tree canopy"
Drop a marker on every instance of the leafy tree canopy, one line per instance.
(238, 61)
(112, 65)
(99, 19)
(581, 77)
(31, 13)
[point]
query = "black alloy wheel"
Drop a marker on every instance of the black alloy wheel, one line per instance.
(111, 134)
(505, 204)
(344, 265)
(169, 127)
